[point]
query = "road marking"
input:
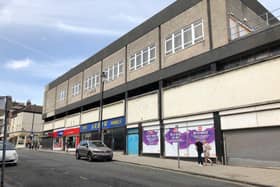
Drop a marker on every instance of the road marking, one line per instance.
(84, 178)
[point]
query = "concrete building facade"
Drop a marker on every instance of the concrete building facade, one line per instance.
(198, 70)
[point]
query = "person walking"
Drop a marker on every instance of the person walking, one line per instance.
(206, 152)
(199, 149)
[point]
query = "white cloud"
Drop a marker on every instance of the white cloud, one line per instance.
(87, 30)
(18, 64)
(127, 18)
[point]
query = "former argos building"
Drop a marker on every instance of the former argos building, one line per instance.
(209, 68)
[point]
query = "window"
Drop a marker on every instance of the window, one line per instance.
(76, 89)
(184, 38)
(238, 29)
(152, 54)
(114, 71)
(92, 82)
(62, 95)
(132, 62)
(178, 40)
(110, 72)
(121, 66)
(138, 60)
(144, 57)
(198, 31)
(187, 37)
(168, 45)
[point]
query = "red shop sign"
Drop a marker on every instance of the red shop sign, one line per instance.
(74, 131)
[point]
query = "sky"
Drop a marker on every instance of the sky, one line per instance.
(42, 39)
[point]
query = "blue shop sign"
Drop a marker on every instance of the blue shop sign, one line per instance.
(89, 127)
(60, 133)
(113, 123)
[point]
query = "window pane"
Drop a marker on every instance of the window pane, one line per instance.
(178, 40)
(198, 32)
(145, 56)
(121, 66)
(116, 72)
(168, 45)
(233, 29)
(92, 84)
(152, 54)
(187, 37)
(97, 78)
(138, 60)
(243, 31)
(132, 62)
(111, 73)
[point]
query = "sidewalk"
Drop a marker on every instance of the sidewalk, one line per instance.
(246, 175)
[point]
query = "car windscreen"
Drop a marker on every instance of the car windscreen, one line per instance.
(96, 144)
(9, 146)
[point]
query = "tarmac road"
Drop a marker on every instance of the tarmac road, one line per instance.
(46, 169)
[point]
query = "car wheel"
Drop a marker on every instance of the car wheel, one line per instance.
(89, 156)
(78, 155)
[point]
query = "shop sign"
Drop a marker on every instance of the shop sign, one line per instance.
(89, 127)
(58, 133)
(113, 123)
(73, 131)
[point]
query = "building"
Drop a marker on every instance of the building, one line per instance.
(199, 69)
(25, 123)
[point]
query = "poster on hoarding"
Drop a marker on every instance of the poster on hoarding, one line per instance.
(151, 140)
(203, 134)
(173, 136)
(187, 137)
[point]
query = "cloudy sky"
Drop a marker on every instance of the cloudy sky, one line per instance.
(42, 39)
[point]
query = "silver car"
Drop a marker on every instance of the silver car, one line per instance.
(11, 153)
(94, 150)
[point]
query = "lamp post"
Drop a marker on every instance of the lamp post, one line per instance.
(102, 79)
(4, 108)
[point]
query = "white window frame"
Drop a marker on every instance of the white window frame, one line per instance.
(168, 39)
(182, 31)
(141, 54)
(76, 89)
(179, 47)
(62, 95)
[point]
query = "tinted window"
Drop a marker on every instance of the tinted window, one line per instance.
(96, 144)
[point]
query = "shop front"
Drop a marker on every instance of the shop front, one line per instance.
(114, 133)
(186, 134)
(89, 131)
(72, 138)
(151, 140)
(46, 140)
(58, 140)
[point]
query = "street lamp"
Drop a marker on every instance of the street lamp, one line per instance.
(4, 110)
(101, 135)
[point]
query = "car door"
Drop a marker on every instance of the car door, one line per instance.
(84, 148)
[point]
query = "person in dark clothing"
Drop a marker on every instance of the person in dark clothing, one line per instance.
(199, 148)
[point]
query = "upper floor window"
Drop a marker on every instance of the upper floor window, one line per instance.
(144, 57)
(237, 28)
(114, 71)
(184, 38)
(62, 95)
(92, 82)
(76, 89)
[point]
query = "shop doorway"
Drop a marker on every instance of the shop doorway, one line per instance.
(133, 142)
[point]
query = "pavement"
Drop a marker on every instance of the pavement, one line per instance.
(245, 175)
